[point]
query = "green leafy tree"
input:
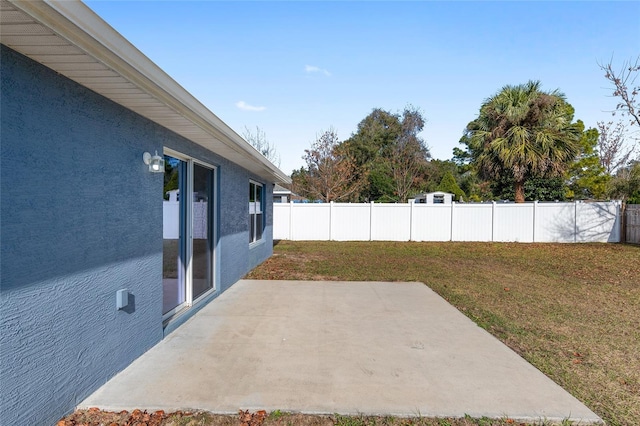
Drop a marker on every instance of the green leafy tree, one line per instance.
(379, 185)
(625, 185)
(523, 133)
(374, 135)
(462, 158)
(299, 181)
(587, 178)
(387, 149)
(170, 176)
(449, 184)
(477, 189)
(435, 171)
(535, 188)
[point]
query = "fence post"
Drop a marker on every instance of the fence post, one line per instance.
(291, 220)
(371, 221)
(453, 204)
(575, 221)
(330, 220)
(493, 221)
(535, 210)
(623, 221)
(410, 221)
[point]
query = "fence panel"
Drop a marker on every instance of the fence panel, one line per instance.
(597, 222)
(170, 220)
(472, 222)
(632, 225)
(281, 218)
(513, 222)
(390, 222)
(311, 222)
(350, 222)
(555, 223)
(431, 222)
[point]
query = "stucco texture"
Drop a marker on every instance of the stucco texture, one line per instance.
(80, 218)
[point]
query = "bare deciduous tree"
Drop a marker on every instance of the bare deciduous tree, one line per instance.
(612, 149)
(331, 173)
(625, 88)
(261, 143)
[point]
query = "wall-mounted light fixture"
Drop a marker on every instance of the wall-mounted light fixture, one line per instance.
(155, 162)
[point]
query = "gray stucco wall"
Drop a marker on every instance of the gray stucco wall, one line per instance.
(80, 218)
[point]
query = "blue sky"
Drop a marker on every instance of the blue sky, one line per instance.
(295, 69)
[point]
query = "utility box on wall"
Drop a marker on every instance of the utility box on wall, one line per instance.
(122, 298)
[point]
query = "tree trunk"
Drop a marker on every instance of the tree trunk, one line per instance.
(519, 188)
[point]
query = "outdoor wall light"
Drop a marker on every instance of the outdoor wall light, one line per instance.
(155, 162)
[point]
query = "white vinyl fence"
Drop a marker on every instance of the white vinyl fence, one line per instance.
(528, 222)
(171, 220)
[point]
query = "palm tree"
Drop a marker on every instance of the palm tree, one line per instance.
(523, 132)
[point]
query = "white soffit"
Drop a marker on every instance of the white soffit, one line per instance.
(71, 39)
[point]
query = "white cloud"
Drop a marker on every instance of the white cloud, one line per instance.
(311, 68)
(246, 107)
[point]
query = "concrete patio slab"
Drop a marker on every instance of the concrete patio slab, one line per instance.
(337, 347)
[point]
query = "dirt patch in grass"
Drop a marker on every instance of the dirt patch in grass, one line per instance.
(572, 310)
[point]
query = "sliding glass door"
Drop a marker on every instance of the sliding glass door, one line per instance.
(189, 233)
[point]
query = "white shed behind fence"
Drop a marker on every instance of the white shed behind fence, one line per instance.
(437, 197)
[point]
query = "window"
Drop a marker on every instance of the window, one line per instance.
(256, 217)
(438, 199)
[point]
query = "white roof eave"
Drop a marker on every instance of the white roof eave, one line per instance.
(137, 84)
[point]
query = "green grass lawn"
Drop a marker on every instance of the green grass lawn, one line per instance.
(572, 310)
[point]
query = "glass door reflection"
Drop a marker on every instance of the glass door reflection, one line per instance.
(202, 220)
(173, 248)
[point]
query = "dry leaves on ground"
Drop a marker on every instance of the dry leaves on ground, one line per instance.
(252, 419)
(96, 417)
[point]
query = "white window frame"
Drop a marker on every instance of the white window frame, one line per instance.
(256, 208)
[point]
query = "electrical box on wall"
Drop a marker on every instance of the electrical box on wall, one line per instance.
(122, 298)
